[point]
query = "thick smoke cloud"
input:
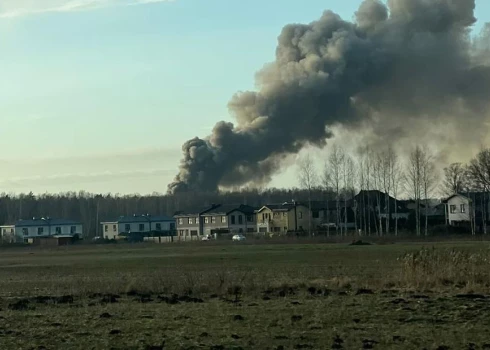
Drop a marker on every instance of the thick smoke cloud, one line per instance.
(397, 65)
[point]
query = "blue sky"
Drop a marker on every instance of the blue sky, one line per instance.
(99, 95)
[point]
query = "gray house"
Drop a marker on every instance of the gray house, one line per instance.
(190, 223)
(229, 218)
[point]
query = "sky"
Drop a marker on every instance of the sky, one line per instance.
(99, 95)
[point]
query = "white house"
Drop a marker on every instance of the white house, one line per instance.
(8, 233)
(458, 208)
(137, 224)
(44, 227)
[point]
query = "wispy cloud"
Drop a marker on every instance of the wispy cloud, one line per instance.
(18, 8)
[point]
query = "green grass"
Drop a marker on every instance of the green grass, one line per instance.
(291, 296)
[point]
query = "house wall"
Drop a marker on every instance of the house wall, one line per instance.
(32, 231)
(185, 229)
(245, 225)
(110, 230)
(272, 221)
(458, 216)
(301, 214)
(8, 233)
(218, 224)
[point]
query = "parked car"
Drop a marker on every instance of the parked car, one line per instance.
(207, 238)
(238, 238)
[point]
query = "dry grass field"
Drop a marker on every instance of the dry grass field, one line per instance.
(246, 296)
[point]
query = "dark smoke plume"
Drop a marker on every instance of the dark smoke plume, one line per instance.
(396, 65)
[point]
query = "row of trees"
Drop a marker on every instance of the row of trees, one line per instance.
(414, 177)
(336, 181)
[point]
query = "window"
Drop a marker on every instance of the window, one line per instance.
(277, 229)
(73, 229)
(452, 209)
(114, 227)
(190, 221)
(106, 228)
(463, 208)
(181, 221)
(223, 219)
(40, 230)
(127, 227)
(172, 226)
(315, 214)
(213, 219)
(233, 219)
(276, 215)
(240, 220)
(300, 214)
(25, 231)
(206, 220)
(193, 233)
(142, 227)
(250, 229)
(58, 230)
(284, 214)
(159, 226)
(250, 218)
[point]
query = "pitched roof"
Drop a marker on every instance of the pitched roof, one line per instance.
(195, 211)
(46, 222)
(228, 208)
(141, 218)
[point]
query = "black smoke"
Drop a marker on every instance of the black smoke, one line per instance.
(405, 62)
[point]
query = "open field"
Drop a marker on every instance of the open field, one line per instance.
(246, 296)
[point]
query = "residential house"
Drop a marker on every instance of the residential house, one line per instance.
(229, 218)
(324, 214)
(138, 225)
(283, 218)
(190, 223)
(44, 227)
(8, 233)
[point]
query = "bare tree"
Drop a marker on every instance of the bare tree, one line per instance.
(478, 173)
(326, 180)
(395, 177)
(413, 182)
(429, 183)
(454, 179)
(307, 179)
(335, 161)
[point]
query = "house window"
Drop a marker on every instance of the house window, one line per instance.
(73, 229)
(114, 228)
(159, 226)
(127, 227)
(190, 221)
(300, 214)
(142, 227)
(213, 219)
(463, 208)
(277, 229)
(284, 214)
(181, 221)
(315, 214)
(40, 230)
(240, 220)
(452, 209)
(223, 219)
(233, 219)
(106, 228)
(58, 230)
(25, 231)
(276, 215)
(193, 233)
(250, 218)
(206, 220)
(172, 226)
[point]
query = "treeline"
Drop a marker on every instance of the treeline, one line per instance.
(338, 179)
(90, 208)
(416, 177)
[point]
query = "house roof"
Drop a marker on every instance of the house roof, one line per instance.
(140, 218)
(195, 211)
(46, 222)
(284, 207)
(229, 208)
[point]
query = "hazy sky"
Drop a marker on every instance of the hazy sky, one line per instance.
(99, 95)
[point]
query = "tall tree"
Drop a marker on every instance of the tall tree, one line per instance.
(307, 179)
(335, 161)
(454, 179)
(413, 181)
